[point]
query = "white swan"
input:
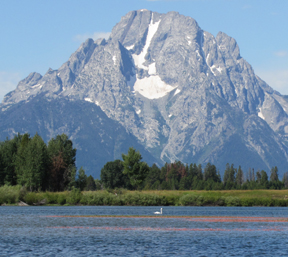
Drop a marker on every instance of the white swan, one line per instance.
(158, 212)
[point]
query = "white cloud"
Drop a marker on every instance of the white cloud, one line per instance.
(277, 79)
(8, 82)
(281, 53)
(82, 37)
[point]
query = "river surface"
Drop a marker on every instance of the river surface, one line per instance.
(210, 231)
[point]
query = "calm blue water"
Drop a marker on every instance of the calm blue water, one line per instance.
(29, 231)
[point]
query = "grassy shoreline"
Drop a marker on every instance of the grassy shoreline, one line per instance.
(12, 195)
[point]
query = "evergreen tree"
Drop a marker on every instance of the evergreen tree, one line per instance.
(219, 176)
(229, 176)
(191, 174)
(199, 173)
(210, 173)
(184, 183)
(232, 174)
(239, 177)
(20, 160)
(195, 172)
(264, 179)
(8, 151)
(134, 168)
(274, 174)
(90, 184)
(172, 177)
(152, 180)
(274, 179)
(32, 163)
(258, 177)
(81, 179)
(226, 174)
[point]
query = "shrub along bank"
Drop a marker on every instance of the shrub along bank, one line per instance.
(122, 197)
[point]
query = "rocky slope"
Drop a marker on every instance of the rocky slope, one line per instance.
(170, 87)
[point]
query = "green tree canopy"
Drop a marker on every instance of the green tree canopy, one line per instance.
(274, 174)
(63, 157)
(8, 152)
(152, 180)
(264, 179)
(81, 179)
(134, 168)
(112, 175)
(90, 184)
(32, 163)
(239, 177)
(210, 173)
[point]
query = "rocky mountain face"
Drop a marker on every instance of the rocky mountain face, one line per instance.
(163, 85)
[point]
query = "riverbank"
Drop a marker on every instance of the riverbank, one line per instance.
(122, 197)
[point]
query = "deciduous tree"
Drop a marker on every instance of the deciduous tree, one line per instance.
(63, 169)
(112, 175)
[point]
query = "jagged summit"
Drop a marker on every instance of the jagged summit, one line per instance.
(180, 92)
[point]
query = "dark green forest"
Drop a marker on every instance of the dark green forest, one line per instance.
(29, 162)
(132, 173)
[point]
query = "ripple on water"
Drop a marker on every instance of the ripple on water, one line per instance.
(27, 231)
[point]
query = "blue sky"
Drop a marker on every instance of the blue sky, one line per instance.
(37, 35)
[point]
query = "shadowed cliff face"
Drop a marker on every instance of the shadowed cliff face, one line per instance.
(180, 92)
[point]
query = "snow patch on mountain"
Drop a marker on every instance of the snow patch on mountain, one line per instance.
(130, 47)
(88, 100)
(152, 69)
(139, 60)
(177, 91)
(37, 85)
(260, 114)
(114, 59)
(219, 69)
(152, 87)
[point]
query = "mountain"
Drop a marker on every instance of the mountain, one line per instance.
(163, 85)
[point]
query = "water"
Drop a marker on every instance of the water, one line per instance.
(40, 231)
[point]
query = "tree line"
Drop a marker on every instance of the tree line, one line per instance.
(132, 173)
(29, 162)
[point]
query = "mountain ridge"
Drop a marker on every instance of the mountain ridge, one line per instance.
(181, 92)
